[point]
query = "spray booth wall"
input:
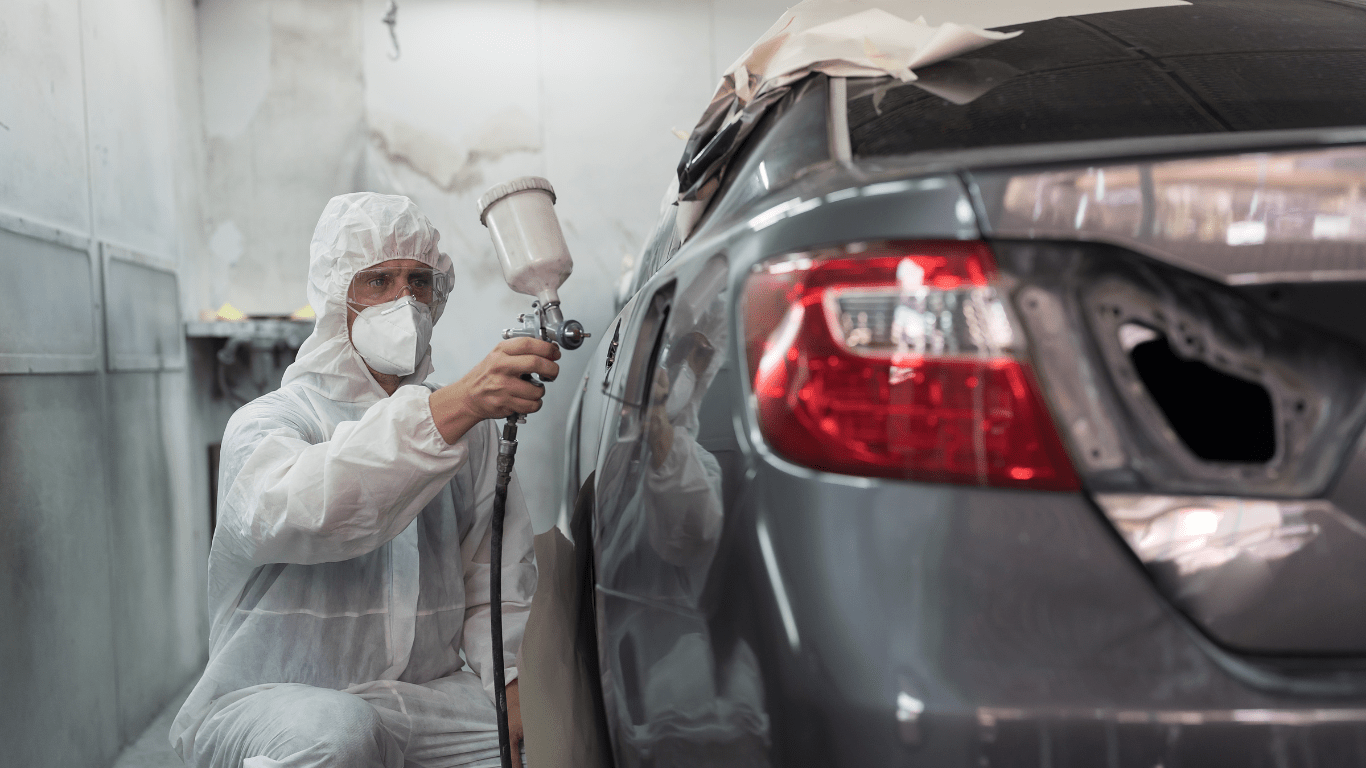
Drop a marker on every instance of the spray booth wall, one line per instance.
(303, 101)
(161, 157)
(103, 515)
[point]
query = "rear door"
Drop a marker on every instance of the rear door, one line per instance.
(675, 697)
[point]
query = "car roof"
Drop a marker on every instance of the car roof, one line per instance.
(1209, 67)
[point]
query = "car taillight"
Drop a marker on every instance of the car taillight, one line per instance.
(897, 359)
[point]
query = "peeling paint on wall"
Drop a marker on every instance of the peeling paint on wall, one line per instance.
(303, 143)
(450, 168)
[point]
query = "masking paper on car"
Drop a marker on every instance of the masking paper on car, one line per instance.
(848, 38)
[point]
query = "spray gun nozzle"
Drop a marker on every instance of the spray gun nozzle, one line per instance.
(572, 335)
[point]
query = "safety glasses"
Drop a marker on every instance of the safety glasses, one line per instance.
(378, 285)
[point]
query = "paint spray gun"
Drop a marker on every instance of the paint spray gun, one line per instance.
(520, 216)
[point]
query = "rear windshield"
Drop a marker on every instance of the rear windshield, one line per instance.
(1213, 66)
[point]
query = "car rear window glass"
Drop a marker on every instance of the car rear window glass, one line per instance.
(1231, 26)
(1225, 65)
(1253, 92)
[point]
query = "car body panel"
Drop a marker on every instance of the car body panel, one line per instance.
(1094, 633)
(977, 603)
(808, 618)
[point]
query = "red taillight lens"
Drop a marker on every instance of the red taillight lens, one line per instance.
(897, 359)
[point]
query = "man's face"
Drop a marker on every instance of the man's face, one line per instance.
(389, 280)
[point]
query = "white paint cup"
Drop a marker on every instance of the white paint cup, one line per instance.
(520, 215)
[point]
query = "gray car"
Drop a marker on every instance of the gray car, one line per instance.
(1012, 416)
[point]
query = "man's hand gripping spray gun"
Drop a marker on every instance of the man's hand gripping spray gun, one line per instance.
(520, 216)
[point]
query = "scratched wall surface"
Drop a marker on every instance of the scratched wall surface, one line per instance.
(303, 100)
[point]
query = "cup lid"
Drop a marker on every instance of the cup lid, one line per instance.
(501, 191)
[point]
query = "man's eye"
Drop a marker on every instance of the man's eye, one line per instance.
(421, 282)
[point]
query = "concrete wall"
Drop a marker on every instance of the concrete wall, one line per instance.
(103, 519)
(302, 101)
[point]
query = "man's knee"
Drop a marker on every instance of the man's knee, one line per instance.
(299, 726)
(342, 722)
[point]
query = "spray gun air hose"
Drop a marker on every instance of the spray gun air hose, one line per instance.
(507, 454)
(546, 323)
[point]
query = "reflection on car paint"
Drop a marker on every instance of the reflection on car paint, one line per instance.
(1226, 207)
(656, 558)
(775, 581)
(990, 717)
(1200, 533)
(936, 623)
(1222, 557)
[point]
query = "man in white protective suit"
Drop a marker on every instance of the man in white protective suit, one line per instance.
(350, 564)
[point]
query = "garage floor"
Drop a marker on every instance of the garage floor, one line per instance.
(153, 747)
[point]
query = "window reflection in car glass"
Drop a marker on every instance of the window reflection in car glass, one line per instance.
(1235, 215)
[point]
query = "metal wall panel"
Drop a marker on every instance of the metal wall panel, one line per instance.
(56, 660)
(43, 156)
(132, 111)
(149, 611)
(47, 320)
(142, 313)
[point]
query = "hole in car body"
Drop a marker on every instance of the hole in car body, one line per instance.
(1271, 404)
(1217, 416)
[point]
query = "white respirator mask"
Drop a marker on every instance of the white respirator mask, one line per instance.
(393, 337)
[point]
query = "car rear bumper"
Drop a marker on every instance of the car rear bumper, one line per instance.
(923, 624)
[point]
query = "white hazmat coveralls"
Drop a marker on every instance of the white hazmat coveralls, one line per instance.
(349, 566)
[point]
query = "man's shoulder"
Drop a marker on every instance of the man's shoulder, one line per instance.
(287, 407)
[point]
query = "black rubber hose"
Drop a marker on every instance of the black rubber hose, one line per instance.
(507, 454)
